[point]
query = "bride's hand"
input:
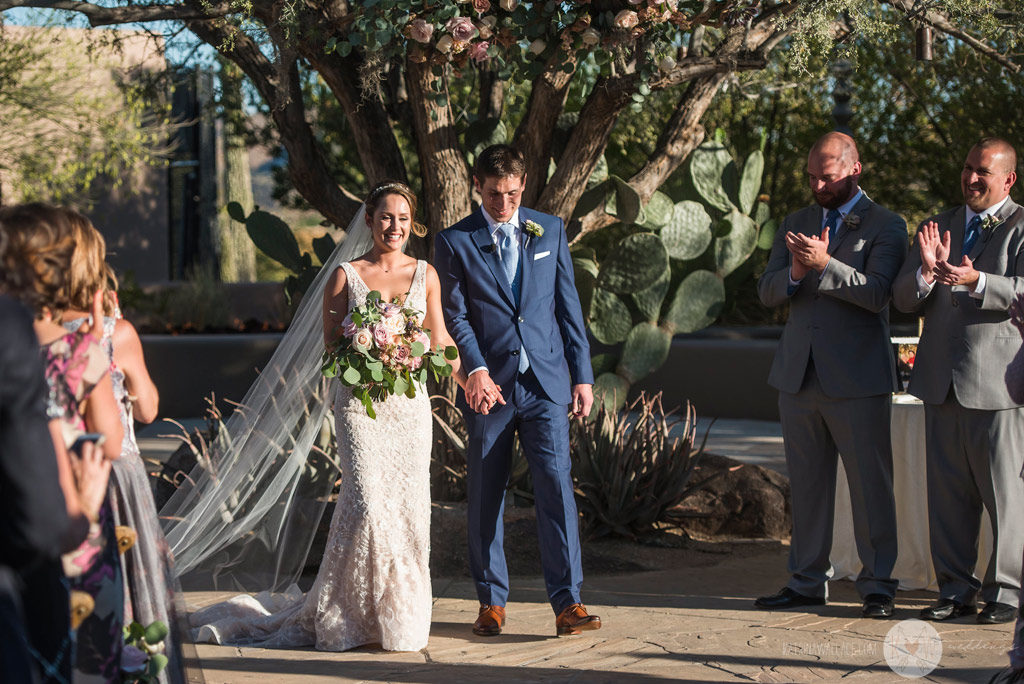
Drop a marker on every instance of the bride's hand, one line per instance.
(481, 392)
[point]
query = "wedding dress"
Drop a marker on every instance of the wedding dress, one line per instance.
(373, 585)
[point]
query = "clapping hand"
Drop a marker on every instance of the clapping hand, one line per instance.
(481, 392)
(934, 249)
(964, 274)
(809, 252)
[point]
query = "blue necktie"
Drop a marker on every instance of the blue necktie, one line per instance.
(832, 223)
(971, 236)
(511, 262)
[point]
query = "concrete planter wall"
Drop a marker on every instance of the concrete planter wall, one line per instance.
(723, 372)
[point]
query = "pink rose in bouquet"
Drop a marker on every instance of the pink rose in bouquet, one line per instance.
(478, 51)
(401, 354)
(421, 30)
(362, 339)
(381, 335)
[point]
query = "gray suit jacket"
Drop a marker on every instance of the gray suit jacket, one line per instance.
(841, 318)
(968, 342)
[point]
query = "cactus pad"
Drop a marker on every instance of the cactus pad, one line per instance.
(649, 300)
(750, 181)
(696, 304)
(688, 233)
(645, 350)
(635, 263)
(709, 171)
(610, 390)
(658, 211)
(610, 320)
(275, 239)
(734, 248)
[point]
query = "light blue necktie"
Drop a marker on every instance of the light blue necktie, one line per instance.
(971, 236)
(832, 223)
(510, 261)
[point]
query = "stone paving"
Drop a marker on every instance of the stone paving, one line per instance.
(692, 623)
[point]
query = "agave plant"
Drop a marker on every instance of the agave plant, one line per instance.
(628, 470)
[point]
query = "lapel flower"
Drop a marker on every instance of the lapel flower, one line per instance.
(533, 228)
(851, 221)
(990, 222)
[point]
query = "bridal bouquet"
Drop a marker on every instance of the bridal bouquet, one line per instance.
(383, 350)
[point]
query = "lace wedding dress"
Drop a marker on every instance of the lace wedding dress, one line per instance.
(373, 585)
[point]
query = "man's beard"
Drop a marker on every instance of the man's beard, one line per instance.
(836, 199)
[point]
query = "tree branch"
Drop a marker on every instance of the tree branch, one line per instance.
(307, 167)
(940, 22)
(128, 14)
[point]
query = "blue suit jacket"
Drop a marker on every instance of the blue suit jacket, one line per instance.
(489, 326)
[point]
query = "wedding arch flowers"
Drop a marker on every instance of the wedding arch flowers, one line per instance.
(383, 350)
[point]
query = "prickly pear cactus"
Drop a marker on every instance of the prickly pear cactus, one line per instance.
(688, 233)
(696, 303)
(610, 320)
(637, 262)
(645, 350)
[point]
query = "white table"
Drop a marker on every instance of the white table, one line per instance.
(913, 563)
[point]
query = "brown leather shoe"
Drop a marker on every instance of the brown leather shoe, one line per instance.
(575, 619)
(490, 621)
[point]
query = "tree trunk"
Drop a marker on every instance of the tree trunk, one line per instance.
(443, 169)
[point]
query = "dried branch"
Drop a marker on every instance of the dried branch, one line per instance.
(127, 14)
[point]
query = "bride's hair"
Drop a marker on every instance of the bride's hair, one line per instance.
(392, 187)
(89, 270)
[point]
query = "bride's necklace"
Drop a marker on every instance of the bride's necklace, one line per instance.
(385, 270)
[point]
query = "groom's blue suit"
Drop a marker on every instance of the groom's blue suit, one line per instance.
(490, 328)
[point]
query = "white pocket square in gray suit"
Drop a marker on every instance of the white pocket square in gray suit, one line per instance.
(541, 255)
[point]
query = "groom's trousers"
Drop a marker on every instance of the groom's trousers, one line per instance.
(543, 428)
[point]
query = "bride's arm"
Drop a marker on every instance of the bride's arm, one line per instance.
(335, 304)
(434, 322)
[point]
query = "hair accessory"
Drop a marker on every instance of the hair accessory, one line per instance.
(387, 186)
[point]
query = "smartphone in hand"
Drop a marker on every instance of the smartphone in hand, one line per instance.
(95, 438)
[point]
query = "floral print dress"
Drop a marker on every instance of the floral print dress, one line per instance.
(75, 363)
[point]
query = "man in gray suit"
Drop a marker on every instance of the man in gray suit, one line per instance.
(966, 270)
(834, 262)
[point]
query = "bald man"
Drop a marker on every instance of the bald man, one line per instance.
(963, 274)
(834, 263)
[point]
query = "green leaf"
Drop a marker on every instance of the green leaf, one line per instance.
(417, 349)
(157, 663)
(401, 385)
(377, 375)
(351, 376)
(156, 632)
(451, 352)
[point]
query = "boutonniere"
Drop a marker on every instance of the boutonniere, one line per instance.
(990, 222)
(851, 221)
(533, 228)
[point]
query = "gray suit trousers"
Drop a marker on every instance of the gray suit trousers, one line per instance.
(974, 460)
(815, 429)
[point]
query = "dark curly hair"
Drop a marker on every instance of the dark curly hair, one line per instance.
(35, 255)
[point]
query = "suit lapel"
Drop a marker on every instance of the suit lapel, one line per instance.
(956, 235)
(489, 253)
(1004, 213)
(529, 249)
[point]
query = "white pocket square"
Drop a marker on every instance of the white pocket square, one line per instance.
(541, 255)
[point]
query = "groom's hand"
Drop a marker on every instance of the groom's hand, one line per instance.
(482, 393)
(582, 400)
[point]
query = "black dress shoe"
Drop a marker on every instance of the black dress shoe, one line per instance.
(877, 606)
(947, 609)
(995, 613)
(787, 598)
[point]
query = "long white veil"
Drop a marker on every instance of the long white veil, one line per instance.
(245, 517)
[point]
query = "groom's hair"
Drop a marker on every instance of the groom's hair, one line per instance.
(499, 161)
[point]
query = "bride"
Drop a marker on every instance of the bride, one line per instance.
(373, 583)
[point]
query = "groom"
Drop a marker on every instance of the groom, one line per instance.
(510, 303)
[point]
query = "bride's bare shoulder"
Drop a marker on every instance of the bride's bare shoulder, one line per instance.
(337, 282)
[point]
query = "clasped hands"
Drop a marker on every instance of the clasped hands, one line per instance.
(482, 394)
(810, 252)
(935, 265)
